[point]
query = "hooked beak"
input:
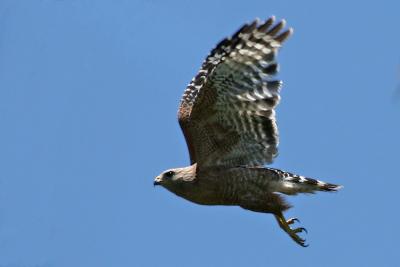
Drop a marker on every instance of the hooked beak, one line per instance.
(157, 181)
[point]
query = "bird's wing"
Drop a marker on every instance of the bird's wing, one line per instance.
(227, 111)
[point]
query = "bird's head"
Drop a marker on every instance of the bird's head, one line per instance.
(174, 178)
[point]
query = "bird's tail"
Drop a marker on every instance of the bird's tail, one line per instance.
(292, 184)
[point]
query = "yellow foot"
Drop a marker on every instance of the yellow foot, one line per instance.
(284, 224)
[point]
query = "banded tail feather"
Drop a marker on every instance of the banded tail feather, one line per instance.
(292, 184)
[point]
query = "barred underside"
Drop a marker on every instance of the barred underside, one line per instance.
(227, 111)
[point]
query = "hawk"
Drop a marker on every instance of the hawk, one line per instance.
(227, 115)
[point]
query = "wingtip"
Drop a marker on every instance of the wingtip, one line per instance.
(284, 35)
(339, 187)
(334, 187)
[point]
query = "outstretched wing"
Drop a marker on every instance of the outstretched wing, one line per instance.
(227, 111)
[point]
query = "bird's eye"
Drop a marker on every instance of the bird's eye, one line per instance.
(169, 174)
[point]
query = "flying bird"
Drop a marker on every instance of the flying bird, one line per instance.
(227, 115)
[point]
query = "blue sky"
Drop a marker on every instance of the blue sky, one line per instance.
(89, 92)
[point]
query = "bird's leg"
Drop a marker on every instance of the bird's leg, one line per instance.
(284, 224)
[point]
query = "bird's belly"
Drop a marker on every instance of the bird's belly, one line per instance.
(210, 200)
(213, 194)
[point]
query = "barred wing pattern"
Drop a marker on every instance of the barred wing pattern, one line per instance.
(227, 111)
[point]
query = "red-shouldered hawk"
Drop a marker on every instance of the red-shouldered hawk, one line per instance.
(227, 116)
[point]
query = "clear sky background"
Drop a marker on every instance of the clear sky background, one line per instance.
(89, 92)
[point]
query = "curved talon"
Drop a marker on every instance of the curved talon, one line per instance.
(299, 230)
(299, 240)
(284, 224)
(292, 221)
(304, 245)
